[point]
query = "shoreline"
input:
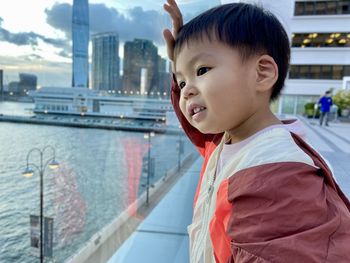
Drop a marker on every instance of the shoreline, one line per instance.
(92, 123)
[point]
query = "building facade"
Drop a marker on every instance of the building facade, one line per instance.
(105, 62)
(320, 44)
(80, 38)
(319, 32)
(140, 69)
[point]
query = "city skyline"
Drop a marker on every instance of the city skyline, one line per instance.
(39, 42)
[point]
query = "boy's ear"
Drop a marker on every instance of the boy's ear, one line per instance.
(267, 73)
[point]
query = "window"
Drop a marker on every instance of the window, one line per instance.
(337, 72)
(331, 7)
(326, 72)
(347, 71)
(299, 8)
(309, 8)
(344, 7)
(294, 72)
(315, 72)
(304, 72)
(318, 71)
(320, 8)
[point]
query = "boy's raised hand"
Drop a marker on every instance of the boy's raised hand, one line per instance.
(176, 16)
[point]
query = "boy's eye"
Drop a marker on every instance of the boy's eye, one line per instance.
(202, 70)
(182, 84)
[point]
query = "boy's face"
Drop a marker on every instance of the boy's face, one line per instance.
(217, 89)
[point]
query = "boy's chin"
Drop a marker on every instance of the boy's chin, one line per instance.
(207, 130)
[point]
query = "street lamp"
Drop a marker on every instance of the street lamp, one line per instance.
(180, 150)
(148, 136)
(28, 172)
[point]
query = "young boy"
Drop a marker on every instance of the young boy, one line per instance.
(264, 195)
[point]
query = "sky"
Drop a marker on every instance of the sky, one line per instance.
(35, 35)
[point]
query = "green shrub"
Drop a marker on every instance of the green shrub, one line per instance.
(342, 99)
(310, 110)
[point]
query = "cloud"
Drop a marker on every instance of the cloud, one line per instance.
(60, 17)
(30, 38)
(33, 57)
(19, 39)
(65, 54)
(136, 23)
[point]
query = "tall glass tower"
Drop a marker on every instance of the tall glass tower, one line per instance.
(80, 33)
(105, 62)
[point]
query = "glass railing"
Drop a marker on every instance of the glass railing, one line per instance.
(111, 165)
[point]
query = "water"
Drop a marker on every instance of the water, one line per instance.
(100, 174)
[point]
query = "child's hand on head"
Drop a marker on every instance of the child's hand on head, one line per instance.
(176, 16)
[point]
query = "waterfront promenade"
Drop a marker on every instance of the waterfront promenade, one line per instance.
(162, 236)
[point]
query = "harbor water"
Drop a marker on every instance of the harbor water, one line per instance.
(101, 173)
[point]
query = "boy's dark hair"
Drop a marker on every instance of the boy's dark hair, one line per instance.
(249, 28)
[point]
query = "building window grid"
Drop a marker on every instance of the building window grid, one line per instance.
(334, 72)
(322, 7)
(321, 39)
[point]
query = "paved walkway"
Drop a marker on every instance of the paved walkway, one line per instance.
(162, 236)
(333, 142)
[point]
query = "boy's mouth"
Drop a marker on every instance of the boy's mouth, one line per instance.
(194, 109)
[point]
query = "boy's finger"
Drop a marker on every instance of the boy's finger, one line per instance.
(176, 18)
(174, 10)
(170, 42)
(176, 7)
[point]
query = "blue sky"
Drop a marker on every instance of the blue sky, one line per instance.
(35, 36)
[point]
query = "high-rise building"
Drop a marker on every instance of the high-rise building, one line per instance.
(1, 85)
(105, 62)
(164, 78)
(140, 70)
(26, 83)
(80, 35)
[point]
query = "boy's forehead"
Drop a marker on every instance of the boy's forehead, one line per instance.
(198, 45)
(194, 50)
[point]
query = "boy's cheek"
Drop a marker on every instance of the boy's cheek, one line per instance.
(183, 110)
(182, 106)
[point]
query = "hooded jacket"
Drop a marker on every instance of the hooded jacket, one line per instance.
(275, 201)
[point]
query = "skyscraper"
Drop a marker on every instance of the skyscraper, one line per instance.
(1, 85)
(105, 62)
(140, 71)
(80, 34)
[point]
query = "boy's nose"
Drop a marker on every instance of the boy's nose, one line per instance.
(189, 90)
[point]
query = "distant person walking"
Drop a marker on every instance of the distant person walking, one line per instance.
(325, 104)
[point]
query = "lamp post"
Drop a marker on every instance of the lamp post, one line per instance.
(51, 162)
(148, 136)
